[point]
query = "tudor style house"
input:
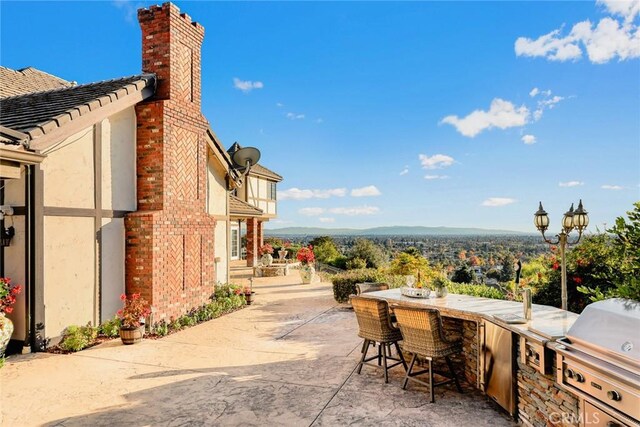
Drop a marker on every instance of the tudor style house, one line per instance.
(118, 186)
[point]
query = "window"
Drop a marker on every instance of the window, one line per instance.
(235, 233)
(271, 194)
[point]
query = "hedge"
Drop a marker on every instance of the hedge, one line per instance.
(344, 284)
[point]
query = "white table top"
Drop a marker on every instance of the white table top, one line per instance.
(546, 322)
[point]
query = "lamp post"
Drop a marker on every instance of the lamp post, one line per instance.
(572, 219)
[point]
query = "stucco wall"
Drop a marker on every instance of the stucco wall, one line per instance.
(222, 251)
(216, 188)
(119, 161)
(69, 273)
(68, 172)
(14, 269)
(112, 259)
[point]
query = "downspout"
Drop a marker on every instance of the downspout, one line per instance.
(2, 181)
(30, 315)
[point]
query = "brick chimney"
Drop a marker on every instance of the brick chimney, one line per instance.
(170, 247)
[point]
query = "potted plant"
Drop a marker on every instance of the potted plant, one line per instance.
(306, 258)
(132, 317)
(266, 250)
(440, 286)
(248, 294)
(7, 299)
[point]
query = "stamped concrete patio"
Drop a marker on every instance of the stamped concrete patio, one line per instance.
(287, 360)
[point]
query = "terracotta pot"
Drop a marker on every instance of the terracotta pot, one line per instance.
(6, 329)
(131, 335)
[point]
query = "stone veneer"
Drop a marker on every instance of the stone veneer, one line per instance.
(540, 402)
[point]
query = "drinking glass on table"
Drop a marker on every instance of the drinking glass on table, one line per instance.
(410, 280)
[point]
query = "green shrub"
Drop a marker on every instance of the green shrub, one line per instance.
(110, 328)
(475, 290)
(76, 338)
(356, 264)
(161, 328)
(344, 284)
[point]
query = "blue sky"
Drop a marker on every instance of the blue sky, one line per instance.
(417, 113)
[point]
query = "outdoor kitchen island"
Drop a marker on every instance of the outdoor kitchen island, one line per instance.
(514, 364)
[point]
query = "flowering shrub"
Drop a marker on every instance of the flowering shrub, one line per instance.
(306, 255)
(8, 295)
(134, 311)
(266, 249)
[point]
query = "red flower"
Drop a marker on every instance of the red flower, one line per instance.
(8, 310)
(555, 266)
(554, 248)
(578, 280)
(16, 290)
(123, 297)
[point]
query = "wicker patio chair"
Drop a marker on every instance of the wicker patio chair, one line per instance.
(363, 288)
(375, 326)
(423, 336)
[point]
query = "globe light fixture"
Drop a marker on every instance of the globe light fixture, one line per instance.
(577, 219)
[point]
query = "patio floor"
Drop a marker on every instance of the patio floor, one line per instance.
(287, 360)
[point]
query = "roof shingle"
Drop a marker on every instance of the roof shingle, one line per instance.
(241, 208)
(28, 80)
(52, 109)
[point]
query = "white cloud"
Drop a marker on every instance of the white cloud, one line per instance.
(246, 85)
(355, 211)
(294, 116)
(550, 102)
(608, 40)
(612, 187)
(628, 9)
(326, 220)
(404, 171)
(570, 184)
(432, 177)
(502, 114)
(529, 139)
(368, 191)
(437, 161)
(311, 211)
(303, 194)
(279, 104)
(534, 92)
(498, 201)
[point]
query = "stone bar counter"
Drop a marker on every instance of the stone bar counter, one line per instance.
(537, 398)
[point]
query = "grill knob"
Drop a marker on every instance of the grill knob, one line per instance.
(570, 373)
(614, 395)
(579, 377)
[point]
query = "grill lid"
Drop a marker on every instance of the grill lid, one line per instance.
(610, 327)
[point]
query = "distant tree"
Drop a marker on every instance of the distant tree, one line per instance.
(413, 251)
(325, 249)
(462, 255)
(508, 270)
(493, 274)
(368, 251)
(274, 241)
(462, 275)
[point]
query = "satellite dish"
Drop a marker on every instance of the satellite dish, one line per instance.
(246, 157)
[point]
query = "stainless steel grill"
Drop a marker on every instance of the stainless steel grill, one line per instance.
(599, 360)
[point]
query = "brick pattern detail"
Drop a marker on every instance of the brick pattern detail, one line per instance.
(170, 239)
(252, 242)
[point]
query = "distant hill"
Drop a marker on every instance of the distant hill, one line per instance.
(390, 231)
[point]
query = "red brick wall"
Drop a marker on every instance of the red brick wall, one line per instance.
(252, 241)
(170, 239)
